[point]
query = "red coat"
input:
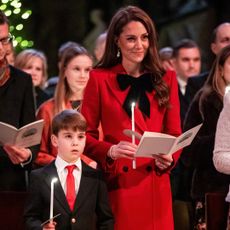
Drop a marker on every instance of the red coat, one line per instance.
(141, 197)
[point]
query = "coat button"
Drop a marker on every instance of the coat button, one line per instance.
(73, 220)
(125, 169)
(149, 168)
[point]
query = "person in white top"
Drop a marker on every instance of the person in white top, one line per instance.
(221, 153)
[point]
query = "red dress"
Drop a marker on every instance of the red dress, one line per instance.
(141, 197)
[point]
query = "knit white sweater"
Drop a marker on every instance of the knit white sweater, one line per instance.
(221, 154)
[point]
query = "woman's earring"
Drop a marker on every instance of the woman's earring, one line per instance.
(118, 53)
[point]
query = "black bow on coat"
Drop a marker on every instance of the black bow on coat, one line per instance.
(137, 92)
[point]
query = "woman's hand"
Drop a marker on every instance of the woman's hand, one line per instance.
(17, 154)
(123, 149)
(163, 161)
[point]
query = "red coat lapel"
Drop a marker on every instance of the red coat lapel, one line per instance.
(120, 96)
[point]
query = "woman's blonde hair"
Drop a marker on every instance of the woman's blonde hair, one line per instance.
(24, 57)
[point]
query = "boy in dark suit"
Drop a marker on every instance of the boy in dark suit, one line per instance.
(80, 196)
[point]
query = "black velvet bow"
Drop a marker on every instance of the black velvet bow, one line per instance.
(138, 87)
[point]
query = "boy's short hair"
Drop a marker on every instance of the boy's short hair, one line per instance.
(68, 119)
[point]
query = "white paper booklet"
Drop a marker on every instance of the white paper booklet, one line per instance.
(26, 136)
(160, 143)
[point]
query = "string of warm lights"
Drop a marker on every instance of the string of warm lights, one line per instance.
(17, 16)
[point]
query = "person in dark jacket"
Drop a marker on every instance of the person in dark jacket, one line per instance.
(187, 63)
(82, 200)
(16, 108)
(199, 154)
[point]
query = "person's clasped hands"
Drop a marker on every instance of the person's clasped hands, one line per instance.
(163, 161)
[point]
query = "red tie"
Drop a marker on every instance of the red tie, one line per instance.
(70, 186)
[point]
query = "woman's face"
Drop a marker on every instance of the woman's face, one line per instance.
(77, 72)
(133, 43)
(34, 67)
(226, 70)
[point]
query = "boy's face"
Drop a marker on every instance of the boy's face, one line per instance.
(69, 143)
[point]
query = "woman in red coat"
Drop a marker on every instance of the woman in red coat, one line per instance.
(129, 71)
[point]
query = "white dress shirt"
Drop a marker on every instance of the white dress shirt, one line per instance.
(62, 172)
(182, 85)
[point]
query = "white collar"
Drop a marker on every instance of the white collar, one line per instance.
(182, 83)
(61, 164)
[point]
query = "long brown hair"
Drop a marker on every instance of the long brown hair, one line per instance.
(216, 82)
(151, 62)
(62, 92)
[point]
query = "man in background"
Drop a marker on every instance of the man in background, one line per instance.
(219, 39)
(187, 63)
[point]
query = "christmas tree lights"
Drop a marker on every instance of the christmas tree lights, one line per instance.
(18, 17)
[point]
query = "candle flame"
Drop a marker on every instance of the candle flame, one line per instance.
(54, 180)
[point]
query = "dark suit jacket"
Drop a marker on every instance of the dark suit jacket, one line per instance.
(193, 86)
(195, 83)
(16, 108)
(91, 202)
(40, 96)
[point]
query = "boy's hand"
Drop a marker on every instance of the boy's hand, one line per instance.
(49, 226)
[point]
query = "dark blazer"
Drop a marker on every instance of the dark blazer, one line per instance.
(181, 174)
(16, 108)
(91, 202)
(40, 96)
(193, 86)
(176, 171)
(195, 83)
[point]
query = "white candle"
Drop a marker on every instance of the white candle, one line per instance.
(54, 180)
(133, 129)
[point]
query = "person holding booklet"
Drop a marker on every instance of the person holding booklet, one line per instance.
(17, 108)
(130, 71)
(199, 155)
